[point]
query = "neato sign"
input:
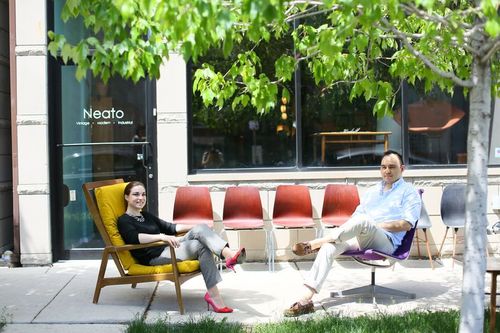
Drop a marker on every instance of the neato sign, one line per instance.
(104, 114)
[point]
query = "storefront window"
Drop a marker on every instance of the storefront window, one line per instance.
(437, 126)
(427, 127)
(73, 30)
(244, 138)
(340, 132)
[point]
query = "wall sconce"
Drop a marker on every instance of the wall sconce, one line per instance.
(284, 116)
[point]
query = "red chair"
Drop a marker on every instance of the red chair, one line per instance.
(243, 211)
(242, 208)
(193, 205)
(292, 208)
(339, 202)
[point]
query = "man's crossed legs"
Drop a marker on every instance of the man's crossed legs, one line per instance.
(357, 233)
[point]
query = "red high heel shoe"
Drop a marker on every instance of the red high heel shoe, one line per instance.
(211, 302)
(238, 258)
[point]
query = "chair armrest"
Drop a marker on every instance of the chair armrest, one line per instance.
(128, 247)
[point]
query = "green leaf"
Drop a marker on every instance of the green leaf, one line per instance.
(384, 90)
(327, 43)
(208, 96)
(244, 100)
(70, 8)
(67, 52)
(92, 41)
(286, 94)
(428, 4)
(80, 73)
(227, 45)
(381, 108)
(126, 7)
(361, 42)
(53, 48)
(492, 27)
(81, 51)
(285, 67)
(270, 13)
(489, 7)
(235, 102)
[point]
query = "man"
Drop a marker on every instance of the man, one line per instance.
(381, 220)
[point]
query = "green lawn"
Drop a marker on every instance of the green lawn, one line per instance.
(411, 322)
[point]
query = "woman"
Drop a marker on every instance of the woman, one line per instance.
(200, 242)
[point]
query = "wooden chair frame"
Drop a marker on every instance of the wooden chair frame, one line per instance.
(111, 250)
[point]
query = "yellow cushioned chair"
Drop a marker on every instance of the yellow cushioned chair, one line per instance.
(105, 200)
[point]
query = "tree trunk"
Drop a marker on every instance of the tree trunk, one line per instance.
(474, 268)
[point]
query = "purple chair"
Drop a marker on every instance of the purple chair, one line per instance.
(367, 256)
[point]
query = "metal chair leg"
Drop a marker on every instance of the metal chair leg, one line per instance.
(428, 248)
(372, 290)
(418, 243)
(270, 250)
(455, 230)
(442, 243)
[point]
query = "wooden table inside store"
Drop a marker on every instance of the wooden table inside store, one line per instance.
(350, 137)
(493, 267)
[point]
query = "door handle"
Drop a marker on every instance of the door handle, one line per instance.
(147, 155)
(65, 195)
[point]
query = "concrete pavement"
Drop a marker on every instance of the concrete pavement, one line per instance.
(59, 298)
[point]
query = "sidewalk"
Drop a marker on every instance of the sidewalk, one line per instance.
(59, 298)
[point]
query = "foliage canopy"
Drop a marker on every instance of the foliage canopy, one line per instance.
(427, 40)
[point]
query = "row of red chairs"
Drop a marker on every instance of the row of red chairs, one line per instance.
(243, 208)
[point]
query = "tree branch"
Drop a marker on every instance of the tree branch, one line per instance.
(292, 7)
(492, 51)
(474, 30)
(307, 13)
(411, 9)
(309, 56)
(438, 39)
(425, 60)
(308, 2)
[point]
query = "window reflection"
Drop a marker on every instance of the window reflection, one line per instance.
(244, 138)
(340, 132)
(336, 131)
(437, 126)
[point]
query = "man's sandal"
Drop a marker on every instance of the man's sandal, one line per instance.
(298, 309)
(303, 249)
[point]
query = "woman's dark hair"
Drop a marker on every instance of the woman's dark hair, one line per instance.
(393, 152)
(130, 185)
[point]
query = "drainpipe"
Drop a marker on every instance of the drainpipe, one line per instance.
(15, 259)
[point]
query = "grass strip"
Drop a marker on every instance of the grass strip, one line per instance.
(410, 322)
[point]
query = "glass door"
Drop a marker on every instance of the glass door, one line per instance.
(103, 131)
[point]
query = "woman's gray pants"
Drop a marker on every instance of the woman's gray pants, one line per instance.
(199, 243)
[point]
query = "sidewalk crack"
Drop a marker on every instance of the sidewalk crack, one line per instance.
(148, 306)
(52, 299)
